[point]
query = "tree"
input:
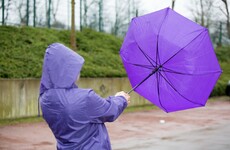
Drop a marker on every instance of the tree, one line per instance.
(80, 15)
(48, 14)
(34, 8)
(203, 12)
(93, 15)
(93, 21)
(20, 5)
(8, 8)
(5, 8)
(226, 13)
(119, 19)
(55, 10)
(73, 33)
(27, 12)
(100, 4)
(122, 19)
(85, 14)
(173, 4)
(3, 11)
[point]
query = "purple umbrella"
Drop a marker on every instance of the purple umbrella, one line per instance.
(170, 60)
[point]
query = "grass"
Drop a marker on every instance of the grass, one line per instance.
(219, 98)
(223, 55)
(7, 122)
(147, 107)
(23, 48)
(140, 108)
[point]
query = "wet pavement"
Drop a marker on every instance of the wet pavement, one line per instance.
(206, 128)
(210, 138)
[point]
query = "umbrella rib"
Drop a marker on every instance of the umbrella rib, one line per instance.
(140, 65)
(147, 56)
(184, 47)
(153, 72)
(158, 92)
(157, 51)
(182, 73)
(172, 86)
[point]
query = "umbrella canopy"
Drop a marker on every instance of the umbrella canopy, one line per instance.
(170, 60)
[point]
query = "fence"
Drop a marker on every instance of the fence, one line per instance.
(18, 97)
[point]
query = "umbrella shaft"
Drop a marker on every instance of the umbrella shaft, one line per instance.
(153, 72)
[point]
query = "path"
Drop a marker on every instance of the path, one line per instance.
(196, 129)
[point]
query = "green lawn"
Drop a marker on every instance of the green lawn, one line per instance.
(23, 48)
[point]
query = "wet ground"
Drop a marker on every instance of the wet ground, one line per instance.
(206, 128)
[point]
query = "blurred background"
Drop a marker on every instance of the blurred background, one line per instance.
(113, 16)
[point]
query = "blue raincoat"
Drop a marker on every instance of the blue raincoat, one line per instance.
(76, 116)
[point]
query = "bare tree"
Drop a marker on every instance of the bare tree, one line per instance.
(27, 12)
(20, 5)
(203, 12)
(226, 13)
(136, 5)
(119, 19)
(86, 8)
(133, 9)
(7, 9)
(81, 15)
(100, 23)
(55, 10)
(93, 21)
(122, 19)
(93, 16)
(48, 13)
(173, 4)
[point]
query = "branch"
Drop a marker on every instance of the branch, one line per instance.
(92, 2)
(226, 6)
(223, 12)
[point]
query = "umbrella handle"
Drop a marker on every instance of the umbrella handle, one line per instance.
(153, 72)
(130, 91)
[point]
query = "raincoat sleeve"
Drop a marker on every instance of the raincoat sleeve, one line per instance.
(102, 110)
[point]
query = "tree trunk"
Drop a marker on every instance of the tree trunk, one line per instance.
(34, 19)
(227, 16)
(101, 15)
(202, 12)
(73, 33)
(80, 15)
(220, 35)
(27, 13)
(49, 16)
(85, 13)
(3, 10)
(173, 4)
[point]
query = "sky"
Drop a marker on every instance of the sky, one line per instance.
(181, 6)
(148, 6)
(63, 15)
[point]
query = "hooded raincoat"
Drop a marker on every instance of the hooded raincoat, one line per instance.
(76, 116)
